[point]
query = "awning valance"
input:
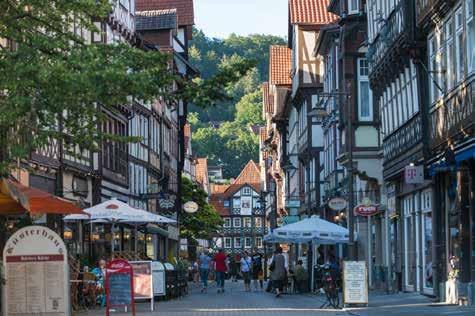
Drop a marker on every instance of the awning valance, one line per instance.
(17, 199)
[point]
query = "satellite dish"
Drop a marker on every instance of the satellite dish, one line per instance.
(190, 207)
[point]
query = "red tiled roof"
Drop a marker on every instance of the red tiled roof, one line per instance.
(187, 132)
(183, 7)
(202, 170)
(280, 65)
(310, 12)
(250, 175)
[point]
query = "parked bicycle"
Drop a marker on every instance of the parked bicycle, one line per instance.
(327, 280)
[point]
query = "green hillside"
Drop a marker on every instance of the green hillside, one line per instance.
(228, 141)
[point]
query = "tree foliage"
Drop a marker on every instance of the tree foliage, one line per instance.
(227, 139)
(205, 222)
(55, 85)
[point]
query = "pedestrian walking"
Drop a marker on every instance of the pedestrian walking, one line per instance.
(246, 266)
(257, 272)
(195, 272)
(278, 271)
(221, 267)
(204, 263)
(232, 268)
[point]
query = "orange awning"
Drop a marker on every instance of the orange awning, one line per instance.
(16, 199)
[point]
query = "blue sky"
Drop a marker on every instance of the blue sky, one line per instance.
(219, 18)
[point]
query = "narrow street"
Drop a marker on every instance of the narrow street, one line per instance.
(236, 302)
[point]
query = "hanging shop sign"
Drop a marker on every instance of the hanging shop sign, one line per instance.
(143, 281)
(367, 208)
(119, 285)
(337, 204)
(36, 273)
(191, 207)
(355, 282)
(414, 174)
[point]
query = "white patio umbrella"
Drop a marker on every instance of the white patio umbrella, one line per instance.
(115, 211)
(311, 229)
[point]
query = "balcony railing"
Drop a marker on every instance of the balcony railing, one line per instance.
(403, 139)
(453, 115)
(392, 29)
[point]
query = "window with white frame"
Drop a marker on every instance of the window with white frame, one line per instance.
(227, 242)
(399, 103)
(259, 242)
(459, 49)
(247, 222)
(247, 242)
(237, 222)
(470, 35)
(449, 44)
(258, 222)
(246, 191)
(236, 202)
(237, 242)
(227, 222)
(353, 6)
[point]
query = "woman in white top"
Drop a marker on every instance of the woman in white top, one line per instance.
(246, 264)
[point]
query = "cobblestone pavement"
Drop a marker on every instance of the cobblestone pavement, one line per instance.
(236, 302)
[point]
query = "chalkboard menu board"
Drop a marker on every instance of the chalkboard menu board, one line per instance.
(119, 289)
(119, 285)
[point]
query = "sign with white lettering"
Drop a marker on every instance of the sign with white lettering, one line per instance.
(355, 282)
(366, 208)
(414, 174)
(36, 273)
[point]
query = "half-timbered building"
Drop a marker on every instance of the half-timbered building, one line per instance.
(396, 73)
(447, 30)
(239, 205)
(351, 130)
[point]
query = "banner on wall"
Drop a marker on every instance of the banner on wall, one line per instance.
(246, 205)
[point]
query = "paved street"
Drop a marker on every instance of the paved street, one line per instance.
(236, 302)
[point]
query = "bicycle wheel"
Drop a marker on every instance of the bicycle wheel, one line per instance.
(333, 297)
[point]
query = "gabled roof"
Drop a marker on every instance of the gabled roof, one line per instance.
(280, 65)
(249, 176)
(310, 12)
(184, 9)
(156, 20)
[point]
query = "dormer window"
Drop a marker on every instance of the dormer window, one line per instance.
(353, 6)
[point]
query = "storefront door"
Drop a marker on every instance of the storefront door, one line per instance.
(426, 242)
(409, 243)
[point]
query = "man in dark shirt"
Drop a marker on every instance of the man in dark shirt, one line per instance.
(257, 272)
(220, 266)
